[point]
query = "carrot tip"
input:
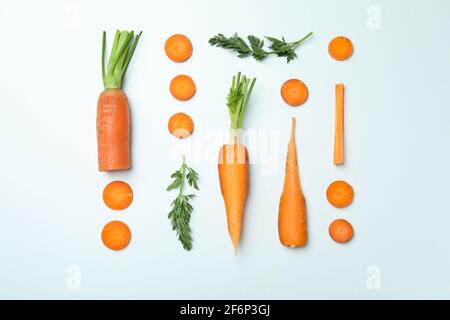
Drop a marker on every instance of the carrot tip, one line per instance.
(293, 129)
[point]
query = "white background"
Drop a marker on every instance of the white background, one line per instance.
(397, 151)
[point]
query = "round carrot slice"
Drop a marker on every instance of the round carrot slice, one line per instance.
(178, 48)
(341, 231)
(294, 92)
(118, 195)
(340, 194)
(181, 125)
(340, 48)
(116, 235)
(182, 87)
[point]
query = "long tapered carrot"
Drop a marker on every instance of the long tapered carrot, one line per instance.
(233, 163)
(339, 126)
(292, 228)
(113, 116)
(233, 177)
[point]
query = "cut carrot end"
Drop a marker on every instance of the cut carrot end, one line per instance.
(112, 117)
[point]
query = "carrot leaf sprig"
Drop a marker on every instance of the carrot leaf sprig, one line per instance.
(122, 51)
(237, 101)
(255, 46)
(181, 212)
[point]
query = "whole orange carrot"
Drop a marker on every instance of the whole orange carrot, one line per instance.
(233, 176)
(113, 118)
(292, 228)
(233, 158)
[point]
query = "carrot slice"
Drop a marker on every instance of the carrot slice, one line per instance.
(340, 194)
(294, 92)
(341, 231)
(118, 195)
(178, 48)
(116, 235)
(339, 126)
(181, 125)
(340, 48)
(182, 87)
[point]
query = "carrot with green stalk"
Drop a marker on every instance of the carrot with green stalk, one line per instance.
(233, 158)
(113, 115)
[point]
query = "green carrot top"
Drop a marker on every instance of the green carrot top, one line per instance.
(237, 101)
(255, 46)
(181, 212)
(121, 53)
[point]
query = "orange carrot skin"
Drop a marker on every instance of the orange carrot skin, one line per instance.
(292, 226)
(233, 175)
(113, 131)
(338, 158)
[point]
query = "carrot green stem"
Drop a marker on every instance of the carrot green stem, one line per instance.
(183, 174)
(122, 51)
(237, 101)
(297, 43)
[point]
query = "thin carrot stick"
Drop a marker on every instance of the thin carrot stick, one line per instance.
(339, 126)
